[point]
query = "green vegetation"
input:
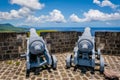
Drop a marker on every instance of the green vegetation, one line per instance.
(17, 63)
(39, 31)
(9, 62)
(10, 28)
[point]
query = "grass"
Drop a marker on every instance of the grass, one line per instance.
(9, 62)
(17, 63)
(40, 31)
(10, 31)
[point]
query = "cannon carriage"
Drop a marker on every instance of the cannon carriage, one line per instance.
(84, 52)
(37, 54)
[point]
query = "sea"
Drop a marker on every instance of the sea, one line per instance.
(81, 29)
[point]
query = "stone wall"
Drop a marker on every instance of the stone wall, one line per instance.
(12, 45)
(59, 42)
(109, 42)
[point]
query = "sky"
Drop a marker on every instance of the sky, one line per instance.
(61, 13)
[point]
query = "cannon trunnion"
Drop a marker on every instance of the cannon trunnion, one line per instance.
(84, 52)
(37, 54)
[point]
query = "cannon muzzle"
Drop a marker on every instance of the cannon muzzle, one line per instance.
(85, 42)
(85, 45)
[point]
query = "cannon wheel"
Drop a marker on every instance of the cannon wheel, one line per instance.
(54, 62)
(69, 61)
(101, 64)
(27, 73)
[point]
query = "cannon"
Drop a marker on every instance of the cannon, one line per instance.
(85, 54)
(37, 54)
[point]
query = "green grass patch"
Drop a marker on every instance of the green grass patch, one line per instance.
(9, 62)
(40, 31)
(17, 63)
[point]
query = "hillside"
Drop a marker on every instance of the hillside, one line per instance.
(10, 28)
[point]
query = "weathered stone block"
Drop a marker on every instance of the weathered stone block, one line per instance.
(4, 48)
(11, 47)
(6, 43)
(8, 51)
(1, 43)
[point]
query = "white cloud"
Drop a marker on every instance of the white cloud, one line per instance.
(27, 7)
(75, 18)
(95, 15)
(105, 3)
(54, 16)
(13, 14)
(33, 19)
(32, 4)
(96, 2)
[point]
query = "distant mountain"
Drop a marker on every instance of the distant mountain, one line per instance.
(10, 28)
(6, 25)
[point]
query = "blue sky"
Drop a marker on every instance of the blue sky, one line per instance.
(61, 13)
